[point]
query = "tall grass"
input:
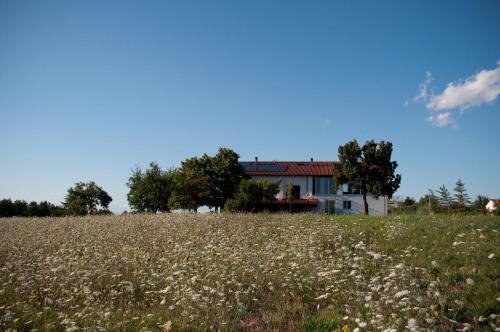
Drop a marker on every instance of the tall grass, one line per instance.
(250, 272)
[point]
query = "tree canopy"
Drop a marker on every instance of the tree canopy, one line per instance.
(225, 174)
(368, 167)
(208, 180)
(150, 190)
(192, 187)
(462, 198)
(87, 198)
(252, 196)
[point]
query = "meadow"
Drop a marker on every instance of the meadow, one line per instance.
(250, 272)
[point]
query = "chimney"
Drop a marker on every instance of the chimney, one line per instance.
(256, 160)
(312, 160)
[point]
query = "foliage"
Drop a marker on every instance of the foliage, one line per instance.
(225, 174)
(428, 203)
(290, 197)
(370, 167)
(479, 204)
(409, 201)
(444, 198)
(461, 198)
(21, 208)
(253, 196)
(192, 187)
(150, 190)
(209, 181)
(86, 198)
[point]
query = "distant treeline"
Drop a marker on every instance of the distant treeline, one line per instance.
(21, 208)
(442, 201)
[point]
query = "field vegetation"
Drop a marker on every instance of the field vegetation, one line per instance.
(254, 272)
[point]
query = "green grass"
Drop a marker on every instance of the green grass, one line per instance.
(260, 272)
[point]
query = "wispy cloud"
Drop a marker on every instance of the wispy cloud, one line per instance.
(442, 119)
(475, 90)
(423, 94)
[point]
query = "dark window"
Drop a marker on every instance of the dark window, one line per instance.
(323, 186)
(347, 205)
(351, 188)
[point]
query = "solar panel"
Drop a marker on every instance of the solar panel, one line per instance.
(251, 167)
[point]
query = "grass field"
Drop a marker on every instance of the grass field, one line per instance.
(258, 272)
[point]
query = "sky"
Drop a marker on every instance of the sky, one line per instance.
(91, 89)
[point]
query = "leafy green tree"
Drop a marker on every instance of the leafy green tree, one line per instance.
(462, 199)
(225, 174)
(149, 191)
(20, 208)
(192, 187)
(290, 197)
(479, 204)
(444, 198)
(369, 167)
(428, 202)
(408, 202)
(252, 196)
(42, 209)
(86, 198)
(6, 208)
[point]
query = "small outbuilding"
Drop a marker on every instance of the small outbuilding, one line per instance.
(492, 205)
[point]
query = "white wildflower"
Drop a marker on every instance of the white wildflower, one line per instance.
(401, 293)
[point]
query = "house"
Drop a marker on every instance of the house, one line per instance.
(313, 187)
(492, 205)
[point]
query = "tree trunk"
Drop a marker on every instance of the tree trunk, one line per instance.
(365, 202)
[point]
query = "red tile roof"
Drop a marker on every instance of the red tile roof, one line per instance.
(288, 168)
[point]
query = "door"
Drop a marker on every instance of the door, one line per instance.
(296, 192)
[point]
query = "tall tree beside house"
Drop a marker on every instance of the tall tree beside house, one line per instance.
(369, 167)
(192, 187)
(462, 199)
(149, 191)
(225, 174)
(444, 198)
(87, 198)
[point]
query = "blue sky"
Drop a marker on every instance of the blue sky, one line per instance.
(90, 89)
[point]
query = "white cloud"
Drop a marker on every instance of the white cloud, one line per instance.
(484, 87)
(478, 89)
(442, 119)
(422, 95)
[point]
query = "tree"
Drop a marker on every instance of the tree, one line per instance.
(479, 204)
(370, 168)
(252, 196)
(7, 208)
(225, 174)
(428, 202)
(444, 197)
(290, 197)
(462, 199)
(150, 190)
(192, 187)
(20, 208)
(86, 198)
(408, 202)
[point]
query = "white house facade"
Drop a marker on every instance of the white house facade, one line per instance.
(313, 187)
(492, 205)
